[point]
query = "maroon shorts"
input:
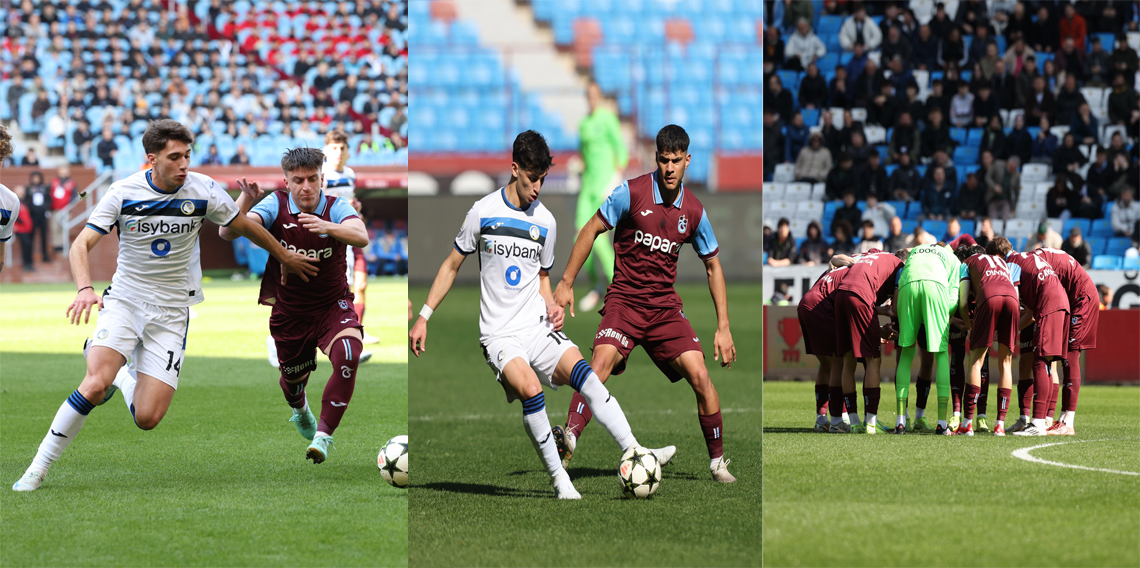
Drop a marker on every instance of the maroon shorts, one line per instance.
(1083, 322)
(818, 328)
(994, 318)
(857, 326)
(664, 334)
(1048, 336)
(359, 264)
(299, 337)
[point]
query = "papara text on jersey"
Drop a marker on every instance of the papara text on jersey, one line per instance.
(311, 253)
(510, 250)
(657, 243)
(161, 227)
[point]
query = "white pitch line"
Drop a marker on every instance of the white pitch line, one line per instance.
(1023, 454)
(510, 415)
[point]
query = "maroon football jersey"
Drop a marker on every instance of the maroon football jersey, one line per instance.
(989, 276)
(823, 288)
(648, 236)
(329, 286)
(1041, 290)
(872, 277)
(1073, 277)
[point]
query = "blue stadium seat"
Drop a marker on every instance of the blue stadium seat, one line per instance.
(974, 137)
(1107, 262)
(1082, 223)
(1096, 245)
(966, 226)
(965, 155)
(1132, 263)
(908, 226)
(936, 228)
(811, 116)
(958, 135)
(899, 206)
(1117, 246)
(913, 211)
(1101, 228)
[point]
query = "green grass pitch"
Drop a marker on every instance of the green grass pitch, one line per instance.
(921, 500)
(222, 481)
(480, 496)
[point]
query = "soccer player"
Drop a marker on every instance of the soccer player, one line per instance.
(9, 201)
(519, 323)
(927, 285)
(316, 314)
(816, 314)
(995, 316)
(1047, 308)
(604, 156)
(143, 315)
(652, 217)
(1085, 317)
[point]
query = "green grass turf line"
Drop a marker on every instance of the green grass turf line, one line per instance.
(921, 500)
(481, 497)
(222, 481)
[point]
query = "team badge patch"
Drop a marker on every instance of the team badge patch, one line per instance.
(500, 357)
(187, 207)
(102, 334)
(534, 234)
(343, 304)
(682, 224)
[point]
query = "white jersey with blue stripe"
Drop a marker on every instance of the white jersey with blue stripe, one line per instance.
(339, 184)
(9, 212)
(158, 236)
(514, 245)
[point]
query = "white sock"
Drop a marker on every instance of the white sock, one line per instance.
(319, 433)
(1040, 423)
(958, 413)
(607, 411)
(64, 427)
(919, 413)
(901, 420)
(304, 408)
(1068, 416)
(715, 462)
(126, 383)
(537, 425)
(845, 417)
(872, 419)
(942, 423)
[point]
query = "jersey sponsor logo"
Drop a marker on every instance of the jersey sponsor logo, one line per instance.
(614, 334)
(646, 212)
(682, 224)
(656, 243)
(288, 225)
(513, 275)
(311, 253)
(296, 369)
(512, 250)
(160, 248)
(161, 227)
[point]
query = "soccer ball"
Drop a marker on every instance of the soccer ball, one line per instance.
(639, 473)
(393, 461)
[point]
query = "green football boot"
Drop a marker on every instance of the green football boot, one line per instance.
(922, 425)
(954, 422)
(306, 423)
(319, 450)
(983, 424)
(859, 428)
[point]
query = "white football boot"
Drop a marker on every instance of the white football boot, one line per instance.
(31, 480)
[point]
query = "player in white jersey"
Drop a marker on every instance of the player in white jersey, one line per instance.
(143, 315)
(9, 201)
(519, 324)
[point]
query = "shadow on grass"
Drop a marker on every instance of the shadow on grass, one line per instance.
(484, 489)
(769, 430)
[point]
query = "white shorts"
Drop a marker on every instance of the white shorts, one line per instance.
(151, 338)
(542, 349)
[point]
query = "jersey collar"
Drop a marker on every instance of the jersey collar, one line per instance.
(156, 188)
(503, 193)
(320, 205)
(657, 193)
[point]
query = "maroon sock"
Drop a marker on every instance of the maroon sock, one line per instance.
(1042, 388)
(294, 392)
(821, 399)
(1025, 395)
(579, 416)
(1072, 382)
(983, 397)
(971, 400)
(851, 401)
(835, 401)
(359, 309)
(713, 429)
(871, 399)
(1054, 390)
(344, 356)
(1003, 403)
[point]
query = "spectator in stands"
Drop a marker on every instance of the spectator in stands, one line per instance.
(774, 144)
(942, 160)
(962, 106)
(782, 248)
(212, 157)
(803, 47)
(240, 158)
(814, 250)
(1085, 126)
(82, 138)
(1100, 173)
(1070, 61)
(813, 89)
(1116, 146)
(1003, 182)
(952, 50)
(834, 139)
(905, 139)
(867, 85)
(1045, 144)
(814, 161)
(985, 106)
(1068, 158)
(843, 244)
(1077, 247)
(895, 240)
(896, 44)
(1016, 56)
(1125, 214)
(937, 195)
(984, 233)
(1124, 59)
(41, 105)
(938, 100)
(797, 10)
(1121, 101)
(1043, 32)
(1057, 200)
(23, 230)
(909, 101)
(840, 179)
(936, 135)
(1019, 143)
(1005, 87)
(980, 46)
(1105, 296)
(860, 29)
(870, 239)
(1040, 102)
(1069, 99)
(872, 181)
(953, 229)
(796, 135)
(1126, 171)
(1073, 27)
(781, 297)
(1098, 65)
(920, 237)
(1045, 237)
(971, 200)
(993, 138)
(1085, 202)
(859, 150)
(856, 64)
(63, 188)
(985, 66)
(107, 148)
(840, 95)
(773, 46)
(925, 47)
(906, 183)
(879, 213)
(779, 100)
(30, 158)
(850, 212)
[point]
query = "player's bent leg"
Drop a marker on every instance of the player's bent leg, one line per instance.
(606, 358)
(691, 365)
(573, 370)
(152, 400)
(295, 397)
(345, 353)
(523, 380)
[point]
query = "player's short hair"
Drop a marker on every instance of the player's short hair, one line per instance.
(336, 136)
(531, 153)
(305, 159)
(673, 138)
(5, 144)
(159, 132)
(999, 246)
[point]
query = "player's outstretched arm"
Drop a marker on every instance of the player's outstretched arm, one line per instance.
(417, 337)
(86, 298)
(250, 192)
(723, 348)
(350, 231)
(291, 262)
(564, 293)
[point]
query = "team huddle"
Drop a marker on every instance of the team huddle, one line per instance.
(950, 303)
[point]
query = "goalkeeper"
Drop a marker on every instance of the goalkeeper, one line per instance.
(605, 156)
(925, 301)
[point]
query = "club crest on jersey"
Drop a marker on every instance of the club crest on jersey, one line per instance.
(682, 224)
(102, 334)
(187, 207)
(343, 304)
(534, 234)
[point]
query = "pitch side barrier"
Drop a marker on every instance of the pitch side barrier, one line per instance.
(737, 220)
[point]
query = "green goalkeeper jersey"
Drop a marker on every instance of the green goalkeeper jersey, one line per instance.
(602, 149)
(932, 263)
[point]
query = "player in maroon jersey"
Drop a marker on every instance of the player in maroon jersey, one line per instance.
(315, 314)
(652, 216)
(959, 352)
(1047, 306)
(1084, 305)
(994, 317)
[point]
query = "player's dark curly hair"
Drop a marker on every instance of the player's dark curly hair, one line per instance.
(999, 246)
(5, 144)
(532, 154)
(966, 251)
(302, 159)
(159, 132)
(672, 138)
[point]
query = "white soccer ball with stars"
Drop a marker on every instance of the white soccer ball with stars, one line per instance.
(639, 473)
(393, 461)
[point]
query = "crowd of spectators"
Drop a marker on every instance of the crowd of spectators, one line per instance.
(942, 106)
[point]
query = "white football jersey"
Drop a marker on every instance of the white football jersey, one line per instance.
(339, 184)
(513, 246)
(9, 211)
(158, 236)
